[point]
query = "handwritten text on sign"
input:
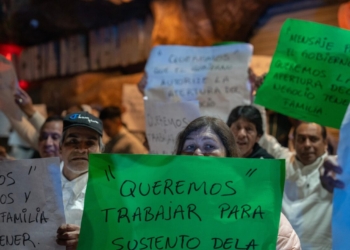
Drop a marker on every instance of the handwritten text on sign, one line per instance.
(309, 76)
(214, 76)
(31, 207)
(164, 121)
(181, 202)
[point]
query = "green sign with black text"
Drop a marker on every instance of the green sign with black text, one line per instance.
(309, 77)
(181, 202)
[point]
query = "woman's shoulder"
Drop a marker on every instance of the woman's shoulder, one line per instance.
(287, 239)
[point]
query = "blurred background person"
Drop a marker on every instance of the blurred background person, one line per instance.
(122, 141)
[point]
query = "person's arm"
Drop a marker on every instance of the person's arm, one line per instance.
(273, 147)
(25, 103)
(68, 235)
(270, 143)
(25, 130)
(37, 120)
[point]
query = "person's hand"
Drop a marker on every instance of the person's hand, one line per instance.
(3, 155)
(328, 179)
(24, 101)
(142, 84)
(68, 235)
(255, 81)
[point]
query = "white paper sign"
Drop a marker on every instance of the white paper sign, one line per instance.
(5, 125)
(31, 207)
(341, 199)
(8, 85)
(214, 76)
(134, 115)
(164, 121)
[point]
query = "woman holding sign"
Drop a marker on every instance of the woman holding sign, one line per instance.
(208, 136)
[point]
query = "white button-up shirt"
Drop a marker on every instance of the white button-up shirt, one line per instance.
(73, 193)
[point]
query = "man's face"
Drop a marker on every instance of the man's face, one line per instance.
(246, 135)
(49, 139)
(308, 143)
(111, 126)
(75, 148)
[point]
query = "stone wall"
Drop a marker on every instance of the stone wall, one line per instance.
(182, 22)
(204, 22)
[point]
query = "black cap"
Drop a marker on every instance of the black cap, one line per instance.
(83, 119)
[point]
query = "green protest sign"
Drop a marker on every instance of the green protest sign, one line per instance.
(181, 202)
(309, 75)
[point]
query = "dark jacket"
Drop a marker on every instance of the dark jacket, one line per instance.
(259, 152)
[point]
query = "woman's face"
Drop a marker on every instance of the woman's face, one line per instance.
(203, 142)
(245, 134)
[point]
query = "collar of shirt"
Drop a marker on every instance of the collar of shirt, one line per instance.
(77, 186)
(295, 170)
(307, 169)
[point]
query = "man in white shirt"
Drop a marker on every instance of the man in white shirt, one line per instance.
(306, 204)
(82, 135)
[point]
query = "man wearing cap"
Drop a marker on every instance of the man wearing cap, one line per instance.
(82, 135)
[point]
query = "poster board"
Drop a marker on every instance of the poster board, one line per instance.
(309, 74)
(31, 207)
(181, 202)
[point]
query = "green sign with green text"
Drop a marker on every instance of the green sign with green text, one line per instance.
(309, 77)
(181, 202)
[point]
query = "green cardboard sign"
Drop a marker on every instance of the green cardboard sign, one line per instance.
(181, 202)
(309, 77)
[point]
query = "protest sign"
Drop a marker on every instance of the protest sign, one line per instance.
(215, 76)
(341, 199)
(309, 73)
(8, 85)
(31, 207)
(134, 115)
(181, 202)
(164, 121)
(5, 125)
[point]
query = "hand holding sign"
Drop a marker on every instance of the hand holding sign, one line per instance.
(24, 101)
(68, 235)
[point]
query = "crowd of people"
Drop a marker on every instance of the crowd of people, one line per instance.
(306, 216)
